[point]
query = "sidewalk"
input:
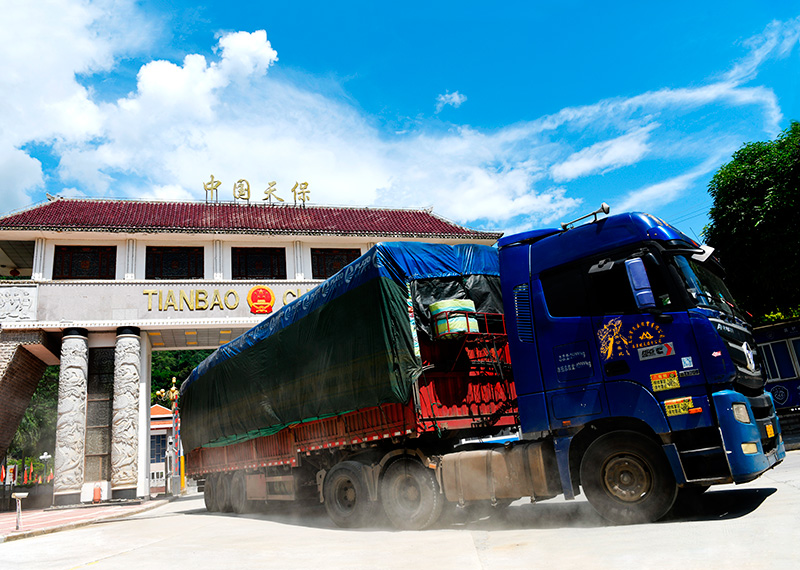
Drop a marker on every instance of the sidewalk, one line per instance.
(43, 521)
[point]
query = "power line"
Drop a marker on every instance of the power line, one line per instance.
(691, 215)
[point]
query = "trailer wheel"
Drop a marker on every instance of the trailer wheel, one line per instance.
(410, 495)
(222, 492)
(209, 496)
(346, 495)
(238, 499)
(627, 478)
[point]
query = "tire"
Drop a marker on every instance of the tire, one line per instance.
(346, 496)
(627, 478)
(209, 495)
(410, 495)
(238, 499)
(222, 492)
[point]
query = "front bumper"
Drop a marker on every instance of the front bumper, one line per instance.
(750, 448)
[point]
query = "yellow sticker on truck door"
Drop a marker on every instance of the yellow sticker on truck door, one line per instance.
(679, 406)
(665, 381)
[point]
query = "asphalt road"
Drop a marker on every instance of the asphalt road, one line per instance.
(751, 526)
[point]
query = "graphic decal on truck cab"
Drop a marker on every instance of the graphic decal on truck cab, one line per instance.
(645, 333)
(615, 343)
(612, 341)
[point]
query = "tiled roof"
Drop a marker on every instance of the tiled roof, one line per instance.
(159, 410)
(234, 218)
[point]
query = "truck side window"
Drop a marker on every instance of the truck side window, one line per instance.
(611, 291)
(660, 284)
(565, 292)
(574, 291)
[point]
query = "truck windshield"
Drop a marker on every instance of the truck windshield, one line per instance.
(705, 286)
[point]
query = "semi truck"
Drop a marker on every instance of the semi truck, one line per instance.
(609, 346)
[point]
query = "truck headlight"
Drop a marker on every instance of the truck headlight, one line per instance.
(749, 448)
(740, 413)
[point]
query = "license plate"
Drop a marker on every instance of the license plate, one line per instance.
(770, 431)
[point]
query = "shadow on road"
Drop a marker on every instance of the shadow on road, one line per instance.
(713, 505)
(724, 504)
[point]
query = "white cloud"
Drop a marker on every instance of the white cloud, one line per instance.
(225, 115)
(777, 40)
(454, 99)
(244, 54)
(18, 171)
(671, 189)
(605, 156)
(40, 96)
(167, 193)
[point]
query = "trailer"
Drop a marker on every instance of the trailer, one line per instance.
(396, 374)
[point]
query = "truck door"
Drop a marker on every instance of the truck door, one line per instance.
(654, 350)
(568, 354)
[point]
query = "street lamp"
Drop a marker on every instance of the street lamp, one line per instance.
(44, 457)
(172, 395)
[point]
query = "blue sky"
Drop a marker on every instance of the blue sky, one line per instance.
(509, 116)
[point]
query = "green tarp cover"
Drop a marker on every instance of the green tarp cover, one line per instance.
(343, 346)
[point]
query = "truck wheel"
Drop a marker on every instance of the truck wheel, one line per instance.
(209, 496)
(627, 478)
(410, 495)
(346, 495)
(239, 501)
(222, 492)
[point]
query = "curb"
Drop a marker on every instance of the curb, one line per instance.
(148, 505)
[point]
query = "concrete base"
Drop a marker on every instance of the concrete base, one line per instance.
(66, 499)
(129, 493)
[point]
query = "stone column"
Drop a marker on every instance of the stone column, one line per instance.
(37, 272)
(125, 415)
(218, 265)
(130, 259)
(71, 423)
(299, 272)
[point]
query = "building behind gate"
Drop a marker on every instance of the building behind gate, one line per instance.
(97, 285)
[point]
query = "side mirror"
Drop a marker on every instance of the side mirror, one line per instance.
(640, 284)
(706, 251)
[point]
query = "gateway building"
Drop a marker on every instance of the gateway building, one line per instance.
(97, 285)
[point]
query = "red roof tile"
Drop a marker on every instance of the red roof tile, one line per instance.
(159, 410)
(234, 218)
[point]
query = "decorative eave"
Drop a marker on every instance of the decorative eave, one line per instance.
(132, 216)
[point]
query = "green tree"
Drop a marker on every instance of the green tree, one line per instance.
(37, 429)
(754, 221)
(169, 363)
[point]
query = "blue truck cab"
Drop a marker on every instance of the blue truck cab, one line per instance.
(631, 355)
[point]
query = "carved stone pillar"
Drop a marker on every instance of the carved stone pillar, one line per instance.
(130, 259)
(37, 272)
(299, 272)
(125, 414)
(218, 261)
(71, 422)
